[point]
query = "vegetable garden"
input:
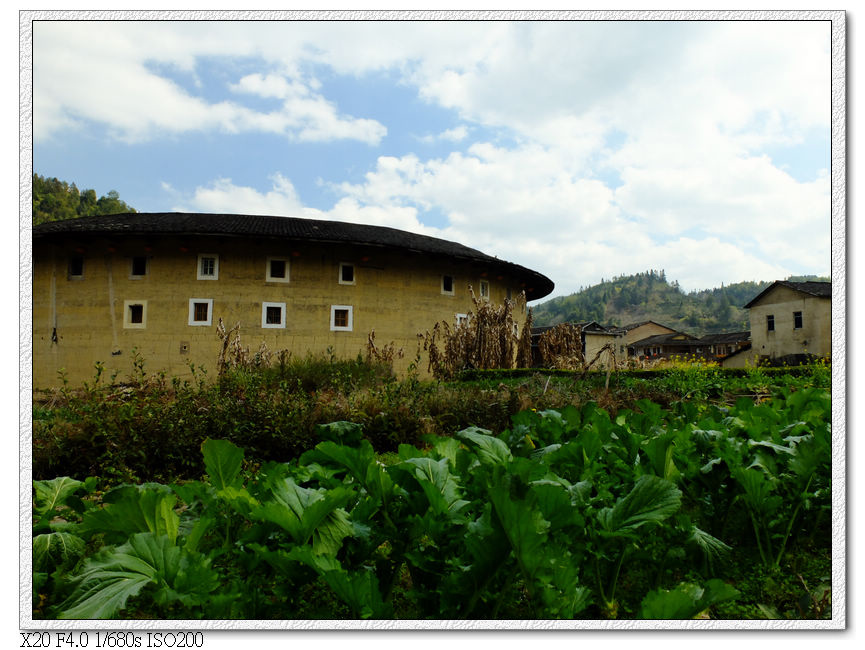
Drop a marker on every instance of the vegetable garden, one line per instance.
(330, 490)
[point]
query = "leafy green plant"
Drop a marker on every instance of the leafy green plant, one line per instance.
(288, 508)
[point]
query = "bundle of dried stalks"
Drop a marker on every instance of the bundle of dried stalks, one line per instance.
(487, 338)
(561, 347)
(383, 355)
(524, 346)
(234, 355)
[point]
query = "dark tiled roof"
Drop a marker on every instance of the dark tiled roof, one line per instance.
(663, 339)
(818, 289)
(633, 326)
(591, 327)
(292, 228)
(726, 337)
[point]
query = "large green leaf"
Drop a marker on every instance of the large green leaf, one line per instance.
(222, 461)
(685, 601)
(51, 495)
(308, 514)
(53, 550)
(757, 491)
(659, 450)
(362, 465)
(525, 528)
(557, 501)
(438, 484)
(358, 589)
(343, 433)
(652, 499)
(489, 450)
(115, 574)
(133, 509)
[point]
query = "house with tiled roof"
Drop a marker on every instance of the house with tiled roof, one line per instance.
(633, 332)
(666, 345)
(791, 319)
(718, 346)
(158, 283)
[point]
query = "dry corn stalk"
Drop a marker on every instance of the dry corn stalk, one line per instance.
(385, 354)
(486, 338)
(561, 347)
(234, 355)
(524, 346)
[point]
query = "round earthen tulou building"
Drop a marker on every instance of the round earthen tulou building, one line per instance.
(157, 284)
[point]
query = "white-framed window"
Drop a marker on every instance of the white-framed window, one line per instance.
(134, 314)
(201, 312)
(461, 319)
(75, 268)
(273, 315)
(138, 267)
(208, 266)
(277, 269)
(341, 318)
(448, 285)
(346, 273)
(485, 290)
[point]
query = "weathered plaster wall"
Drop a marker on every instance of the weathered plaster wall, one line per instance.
(814, 337)
(77, 322)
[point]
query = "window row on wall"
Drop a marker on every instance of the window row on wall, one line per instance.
(797, 321)
(273, 315)
(277, 269)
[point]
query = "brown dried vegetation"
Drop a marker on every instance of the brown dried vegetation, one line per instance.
(487, 338)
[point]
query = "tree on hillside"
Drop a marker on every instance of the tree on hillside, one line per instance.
(648, 296)
(55, 200)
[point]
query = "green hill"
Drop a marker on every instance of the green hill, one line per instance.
(648, 296)
(54, 200)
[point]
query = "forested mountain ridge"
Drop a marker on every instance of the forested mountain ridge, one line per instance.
(648, 296)
(55, 200)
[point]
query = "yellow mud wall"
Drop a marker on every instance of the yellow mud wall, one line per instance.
(814, 337)
(80, 321)
(596, 342)
(645, 331)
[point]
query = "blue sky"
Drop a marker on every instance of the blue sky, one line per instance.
(583, 150)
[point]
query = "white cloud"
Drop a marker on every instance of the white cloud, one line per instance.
(457, 134)
(223, 196)
(607, 147)
(109, 80)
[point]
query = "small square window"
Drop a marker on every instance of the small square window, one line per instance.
(461, 319)
(134, 314)
(346, 273)
(797, 320)
(138, 267)
(485, 290)
(277, 269)
(770, 323)
(76, 266)
(208, 266)
(200, 311)
(448, 285)
(341, 318)
(273, 315)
